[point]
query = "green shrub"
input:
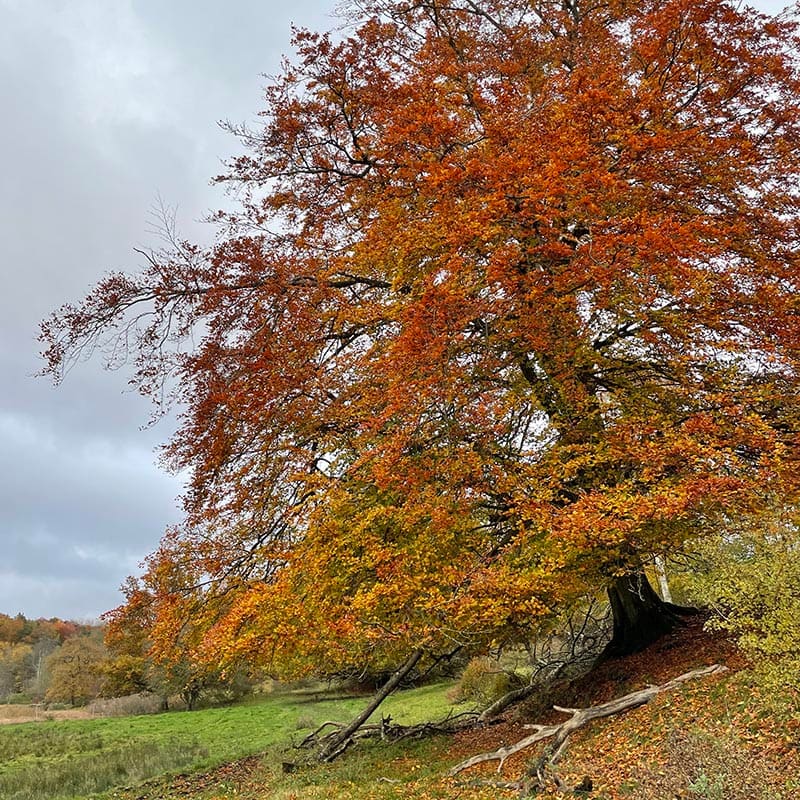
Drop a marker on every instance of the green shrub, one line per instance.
(483, 681)
(751, 581)
(707, 788)
(18, 699)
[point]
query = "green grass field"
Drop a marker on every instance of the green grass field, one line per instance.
(82, 758)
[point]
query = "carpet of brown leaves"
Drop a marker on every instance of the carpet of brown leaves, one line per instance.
(717, 738)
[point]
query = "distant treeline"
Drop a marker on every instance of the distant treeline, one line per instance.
(73, 663)
(21, 630)
(31, 665)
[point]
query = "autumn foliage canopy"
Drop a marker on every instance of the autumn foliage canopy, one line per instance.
(510, 303)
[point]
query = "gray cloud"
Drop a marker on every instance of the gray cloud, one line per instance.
(106, 107)
(75, 508)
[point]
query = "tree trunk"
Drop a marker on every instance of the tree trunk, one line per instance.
(663, 581)
(640, 615)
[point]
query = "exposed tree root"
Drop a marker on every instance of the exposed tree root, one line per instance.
(541, 774)
(507, 700)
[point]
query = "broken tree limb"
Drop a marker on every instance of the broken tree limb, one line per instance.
(334, 745)
(502, 753)
(579, 718)
(508, 699)
(387, 730)
(314, 736)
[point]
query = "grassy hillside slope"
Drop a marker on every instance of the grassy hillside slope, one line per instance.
(720, 737)
(76, 758)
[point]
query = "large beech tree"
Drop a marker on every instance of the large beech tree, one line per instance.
(509, 305)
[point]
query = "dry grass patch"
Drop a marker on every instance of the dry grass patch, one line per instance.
(11, 714)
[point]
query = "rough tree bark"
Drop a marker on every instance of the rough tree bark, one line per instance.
(640, 616)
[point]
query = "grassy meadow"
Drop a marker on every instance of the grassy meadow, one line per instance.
(62, 759)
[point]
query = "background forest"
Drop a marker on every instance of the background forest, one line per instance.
(63, 664)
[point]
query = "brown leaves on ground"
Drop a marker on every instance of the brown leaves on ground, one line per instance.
(234, 775)
(719, 738)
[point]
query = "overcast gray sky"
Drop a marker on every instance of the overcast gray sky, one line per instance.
(106, 105)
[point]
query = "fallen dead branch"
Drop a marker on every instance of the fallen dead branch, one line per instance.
(559, 734)
(333, 744)
(386, 730)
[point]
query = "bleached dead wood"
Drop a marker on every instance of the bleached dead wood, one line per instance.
(580, 717)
